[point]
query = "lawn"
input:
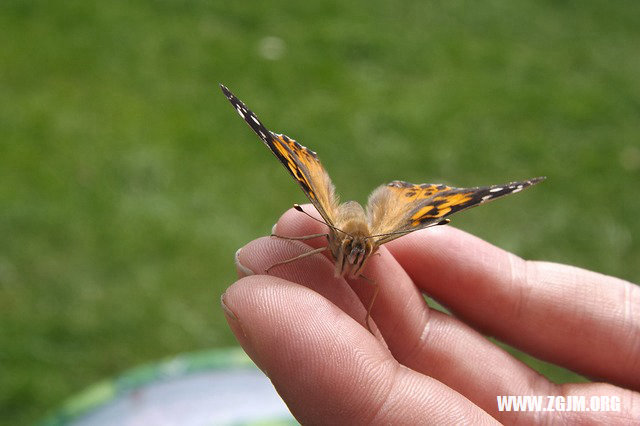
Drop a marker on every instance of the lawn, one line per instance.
(127, 181)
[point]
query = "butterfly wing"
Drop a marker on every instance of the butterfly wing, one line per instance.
(400, 207)
(301, 162)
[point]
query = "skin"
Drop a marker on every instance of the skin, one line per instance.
(305, 329)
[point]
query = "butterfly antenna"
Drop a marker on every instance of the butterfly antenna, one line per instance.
(442, 222)
(298, 207)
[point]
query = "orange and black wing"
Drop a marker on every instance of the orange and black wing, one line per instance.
(400, 207)
(301, 162)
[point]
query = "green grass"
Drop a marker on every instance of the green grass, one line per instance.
(127, 181)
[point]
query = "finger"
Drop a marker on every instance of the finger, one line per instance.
(327, 367)
(582, 320)
(314, 272)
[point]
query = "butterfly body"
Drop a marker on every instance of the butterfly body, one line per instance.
(393, 210)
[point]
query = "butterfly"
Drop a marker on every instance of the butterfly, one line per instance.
(393, 210)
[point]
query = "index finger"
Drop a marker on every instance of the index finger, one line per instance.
(583, 320)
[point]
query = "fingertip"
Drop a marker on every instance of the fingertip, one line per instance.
(288, 330)
(233, 302)
(261, 311)
(228, 312)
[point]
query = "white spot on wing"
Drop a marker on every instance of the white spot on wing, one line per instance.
(253, 117)
(485, 198)
(498, 189)
(239, 109)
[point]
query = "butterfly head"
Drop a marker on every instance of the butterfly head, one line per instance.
(354, 250)
(349, 240)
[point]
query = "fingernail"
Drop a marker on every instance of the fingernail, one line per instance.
(234, 322)
(228, 312)
(238, 330)
(273, 228)
(243, 271)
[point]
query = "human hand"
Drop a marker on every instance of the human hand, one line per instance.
(305, 329)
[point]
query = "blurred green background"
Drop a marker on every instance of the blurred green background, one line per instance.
(127, 181)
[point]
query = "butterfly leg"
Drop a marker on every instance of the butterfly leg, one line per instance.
(304, 237)
(373, 299)
(301, 256)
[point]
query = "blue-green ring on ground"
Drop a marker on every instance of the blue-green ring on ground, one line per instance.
(221, 387)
